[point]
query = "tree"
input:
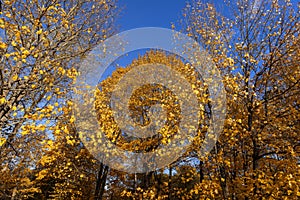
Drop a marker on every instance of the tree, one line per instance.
(66, 170)
(152, 185)
(257, 156)
(40, 47)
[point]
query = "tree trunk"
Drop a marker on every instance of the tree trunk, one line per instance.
(101, 180)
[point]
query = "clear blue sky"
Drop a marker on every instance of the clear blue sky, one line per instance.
(157, 13)
(145, 13)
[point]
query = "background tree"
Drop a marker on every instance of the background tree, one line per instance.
(66, 170)
(255, 47)
(152, 185)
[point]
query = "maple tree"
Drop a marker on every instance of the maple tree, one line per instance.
(41, 45)
(144, 185)
(141, 102)
(67, 170)
(257, 156)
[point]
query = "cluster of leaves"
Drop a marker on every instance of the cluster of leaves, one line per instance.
(141, 101)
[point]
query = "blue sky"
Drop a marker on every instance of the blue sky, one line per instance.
(145, 13)
(148, 13)
(158, 13)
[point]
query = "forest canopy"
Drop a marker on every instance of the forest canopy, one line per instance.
(256, 50)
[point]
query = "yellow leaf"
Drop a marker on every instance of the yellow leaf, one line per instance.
(2, 45)
(15, 77)
(72, 119)
(2, 100)
(2, 141)
(50, 142)
(39, 31)
(1, 23)
(13, 43)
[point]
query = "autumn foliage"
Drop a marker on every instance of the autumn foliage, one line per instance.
(257, 51)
